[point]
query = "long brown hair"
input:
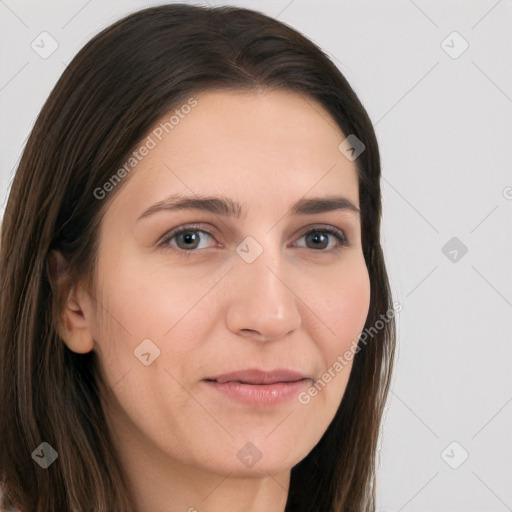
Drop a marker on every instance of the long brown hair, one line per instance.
(118, 85)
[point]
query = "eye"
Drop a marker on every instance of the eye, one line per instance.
(318, 238)
(188, 238)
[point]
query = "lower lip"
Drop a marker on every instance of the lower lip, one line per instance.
(260, 394)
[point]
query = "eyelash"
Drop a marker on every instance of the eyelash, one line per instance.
(164, 243)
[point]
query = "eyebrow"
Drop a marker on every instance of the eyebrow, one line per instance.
(226, 207)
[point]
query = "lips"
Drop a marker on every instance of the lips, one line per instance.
(258, 377)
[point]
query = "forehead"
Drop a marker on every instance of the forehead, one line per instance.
(255, 146)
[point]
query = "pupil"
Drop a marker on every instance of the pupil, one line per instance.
(316, 237)
(188, 238)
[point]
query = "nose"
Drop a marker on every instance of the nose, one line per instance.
(263, 304)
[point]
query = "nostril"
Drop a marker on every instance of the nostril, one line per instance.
(249, 330)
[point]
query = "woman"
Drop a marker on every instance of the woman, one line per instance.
(141, 372)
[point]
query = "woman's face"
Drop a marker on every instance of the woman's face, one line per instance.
(251, 288)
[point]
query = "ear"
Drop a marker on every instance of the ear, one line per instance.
(73, 325)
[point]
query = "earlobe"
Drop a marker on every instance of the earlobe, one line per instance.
(73, 328)
(76, 333)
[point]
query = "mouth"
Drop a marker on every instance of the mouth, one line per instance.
(259, 377)
(258, 394)
(256, 383)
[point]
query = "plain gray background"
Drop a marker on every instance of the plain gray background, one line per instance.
(443, 117)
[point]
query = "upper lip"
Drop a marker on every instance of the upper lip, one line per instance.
(255, 376)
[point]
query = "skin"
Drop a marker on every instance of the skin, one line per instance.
(298, 305)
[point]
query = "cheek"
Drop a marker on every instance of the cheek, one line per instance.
(129, 311)
(137, 303)
(350, 311)
(345, 307)
(343, 311)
